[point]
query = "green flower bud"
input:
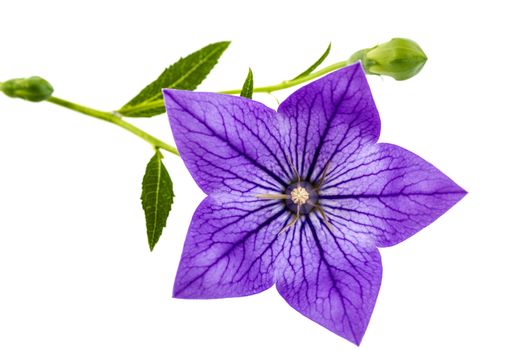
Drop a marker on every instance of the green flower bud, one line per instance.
(33, 89)
(399, 58)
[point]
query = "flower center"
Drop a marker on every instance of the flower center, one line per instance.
(301, 195)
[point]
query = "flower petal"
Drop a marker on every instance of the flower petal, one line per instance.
(388, 192)
(230, 248)
(228, 143)
(331, 276)
(330, 115)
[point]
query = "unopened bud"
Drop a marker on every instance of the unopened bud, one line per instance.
(399, 58)
(33, 89)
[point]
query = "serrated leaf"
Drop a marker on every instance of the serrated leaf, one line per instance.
(247, 87)
(185, 74)
(157, 198)
(316, 64)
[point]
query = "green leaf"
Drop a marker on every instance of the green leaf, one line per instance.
(185, 74)
(316, 64)
(157, 197)
(247, 87)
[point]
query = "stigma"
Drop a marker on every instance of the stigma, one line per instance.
(299, 195)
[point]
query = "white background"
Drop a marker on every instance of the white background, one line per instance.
(75, 269)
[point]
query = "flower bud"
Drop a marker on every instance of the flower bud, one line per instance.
(33, 89)
(399, 58)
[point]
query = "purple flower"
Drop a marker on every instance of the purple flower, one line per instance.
(301, 197)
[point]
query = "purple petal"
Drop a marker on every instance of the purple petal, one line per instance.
(230, 248)
(331, 276)
(333, 114)
(228, 143)
(388, 192)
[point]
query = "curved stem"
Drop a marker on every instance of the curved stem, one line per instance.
(115, 118)
(111, 118)
(289, 83)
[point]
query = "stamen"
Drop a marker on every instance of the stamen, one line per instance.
(272, 196)
(325, 219)
(323, 177)
(295, 219)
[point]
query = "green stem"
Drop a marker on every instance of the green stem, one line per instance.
(289, 83)
(111, 118)
(116, 119)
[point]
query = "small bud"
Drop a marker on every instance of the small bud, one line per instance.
(399, 58)
(33, 89)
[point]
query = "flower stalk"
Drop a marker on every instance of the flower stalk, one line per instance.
(398, 58)
(290, 83)
(117, 119)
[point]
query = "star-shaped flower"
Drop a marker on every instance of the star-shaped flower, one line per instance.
(301, 198)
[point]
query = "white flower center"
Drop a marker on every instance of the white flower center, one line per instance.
(299, 195)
